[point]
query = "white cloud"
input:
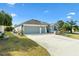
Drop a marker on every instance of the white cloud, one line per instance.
(13, 14)
(69, 17)
(46, 11)
(11, 3)
(71, 13)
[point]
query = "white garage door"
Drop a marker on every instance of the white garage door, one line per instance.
(31, 30)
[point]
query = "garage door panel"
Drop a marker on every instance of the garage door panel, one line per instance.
(31, 29)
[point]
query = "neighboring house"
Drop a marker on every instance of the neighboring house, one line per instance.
(34, 27)
(2, 29)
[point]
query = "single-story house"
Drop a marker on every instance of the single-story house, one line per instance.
(34, 27)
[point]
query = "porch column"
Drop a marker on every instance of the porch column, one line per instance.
(51, 28)
(40, 30)
(45, 30)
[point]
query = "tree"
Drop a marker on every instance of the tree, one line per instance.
(1, 18)
(75, 28)
(71, 25)
(59, 24)
(66, 27)
(5, 19)
(9, 28)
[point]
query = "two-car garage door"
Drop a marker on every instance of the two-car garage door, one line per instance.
(33, 29)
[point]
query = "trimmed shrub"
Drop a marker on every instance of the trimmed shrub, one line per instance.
(8, 28)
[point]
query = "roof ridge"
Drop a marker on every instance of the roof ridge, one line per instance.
(34, 21)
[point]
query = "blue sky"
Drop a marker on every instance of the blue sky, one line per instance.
(48, 12)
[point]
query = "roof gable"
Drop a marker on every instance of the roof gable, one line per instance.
(33, 21)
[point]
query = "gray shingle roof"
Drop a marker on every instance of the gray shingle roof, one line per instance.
(33, 21)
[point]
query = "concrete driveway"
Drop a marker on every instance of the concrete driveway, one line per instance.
(57, 45)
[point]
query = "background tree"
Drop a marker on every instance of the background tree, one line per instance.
(71, 25)
(5, 19)
(66, 27)
(1, 18)
(59, 24)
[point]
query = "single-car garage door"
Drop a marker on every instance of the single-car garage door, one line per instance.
(31, 29)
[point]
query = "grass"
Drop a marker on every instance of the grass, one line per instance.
(75, 36)
(20, 46)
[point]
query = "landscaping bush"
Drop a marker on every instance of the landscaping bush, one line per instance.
(1, 36)
(8, 28)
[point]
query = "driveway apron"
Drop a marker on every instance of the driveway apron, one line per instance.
(57, 45)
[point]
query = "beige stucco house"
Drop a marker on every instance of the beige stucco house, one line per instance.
(34, 27)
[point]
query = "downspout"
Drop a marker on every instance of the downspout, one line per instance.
(22, 30)
(40, 30)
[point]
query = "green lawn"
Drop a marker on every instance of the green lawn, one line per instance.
(21, 46)
(75, 36)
